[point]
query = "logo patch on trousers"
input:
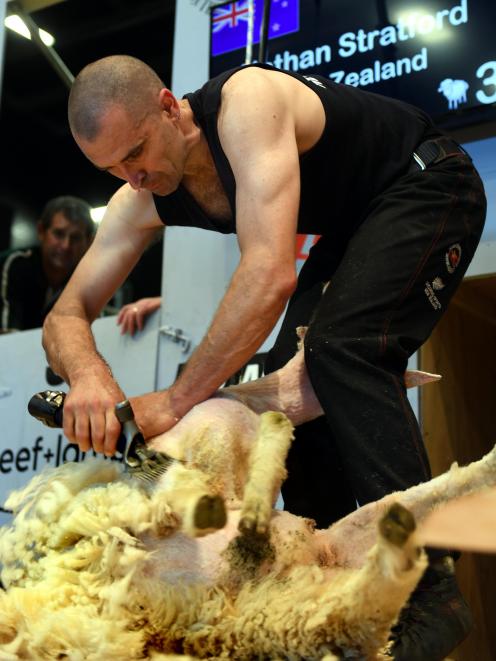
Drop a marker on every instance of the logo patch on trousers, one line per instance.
(453, 257)
(433, 299)
(437, 283)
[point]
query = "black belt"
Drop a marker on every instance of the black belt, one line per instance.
(434, 151)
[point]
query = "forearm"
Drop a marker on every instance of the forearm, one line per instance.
(70, 346)
(248, 312)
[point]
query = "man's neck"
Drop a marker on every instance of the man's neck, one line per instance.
(199, 156)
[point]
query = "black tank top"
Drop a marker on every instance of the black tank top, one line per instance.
(367, 143)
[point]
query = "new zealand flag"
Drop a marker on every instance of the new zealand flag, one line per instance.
(230, 23)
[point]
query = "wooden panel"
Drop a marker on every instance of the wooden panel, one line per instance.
(459, 424)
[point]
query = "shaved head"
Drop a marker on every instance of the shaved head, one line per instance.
(118, 80)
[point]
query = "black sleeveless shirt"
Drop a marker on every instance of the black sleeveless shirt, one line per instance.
(367, 143)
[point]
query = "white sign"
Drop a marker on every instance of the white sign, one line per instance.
(28, 446)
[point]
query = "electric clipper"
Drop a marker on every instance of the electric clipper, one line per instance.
(140, 461)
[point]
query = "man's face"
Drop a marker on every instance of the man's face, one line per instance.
(62, 244)
(149, 153)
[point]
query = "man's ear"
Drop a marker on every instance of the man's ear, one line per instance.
(168, 102)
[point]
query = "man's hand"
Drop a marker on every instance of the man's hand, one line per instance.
(89, 412)
(154, 413)
(132, 316)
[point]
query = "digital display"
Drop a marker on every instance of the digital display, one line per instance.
(436, 54)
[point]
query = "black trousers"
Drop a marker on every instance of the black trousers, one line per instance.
(389, 286)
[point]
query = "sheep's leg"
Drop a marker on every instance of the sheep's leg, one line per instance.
(266, 471)
(289, 390)
(352, 536)
(213, 442)
(458, 481)
(188, 494)
(379, 590)
(360, 607)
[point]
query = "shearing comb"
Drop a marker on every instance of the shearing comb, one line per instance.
(140, 461)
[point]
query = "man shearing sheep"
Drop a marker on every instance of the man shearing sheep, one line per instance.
(266, 154)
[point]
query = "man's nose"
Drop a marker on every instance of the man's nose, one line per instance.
(135, 178)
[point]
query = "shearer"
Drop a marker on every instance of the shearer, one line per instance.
(266, 154)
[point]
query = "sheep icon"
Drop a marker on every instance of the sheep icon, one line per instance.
(455, 91)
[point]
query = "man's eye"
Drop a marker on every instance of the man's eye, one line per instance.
(134, 154)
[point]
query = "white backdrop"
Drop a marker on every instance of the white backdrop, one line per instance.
(26, 445)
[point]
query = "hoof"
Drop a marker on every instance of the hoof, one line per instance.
(397, 525)
(251, 524)
(210, 513)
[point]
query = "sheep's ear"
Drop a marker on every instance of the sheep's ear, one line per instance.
(415, 378)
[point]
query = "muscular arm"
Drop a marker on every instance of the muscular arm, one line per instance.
(258, 136)
(129, 224)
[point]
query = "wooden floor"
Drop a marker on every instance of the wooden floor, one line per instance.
(459, 424)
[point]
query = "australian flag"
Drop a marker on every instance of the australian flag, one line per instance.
(229, 23)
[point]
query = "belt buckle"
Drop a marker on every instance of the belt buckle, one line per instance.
(419, 161)
(428, 153)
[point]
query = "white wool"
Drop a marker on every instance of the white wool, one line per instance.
(83, 584)
(86, 593)
(74, 547)
(54, 516)
(69, 559)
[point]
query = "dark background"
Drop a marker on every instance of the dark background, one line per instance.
(40, 158)
(457, 54)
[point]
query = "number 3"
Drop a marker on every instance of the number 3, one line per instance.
(481, 96)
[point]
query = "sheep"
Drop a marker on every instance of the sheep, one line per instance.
(454, 90)
(92, 573)
(96, 567)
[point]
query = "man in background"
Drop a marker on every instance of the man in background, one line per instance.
(32, 279)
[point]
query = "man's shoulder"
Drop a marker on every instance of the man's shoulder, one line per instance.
(240, 77)
(249, 75)
(253, 87)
